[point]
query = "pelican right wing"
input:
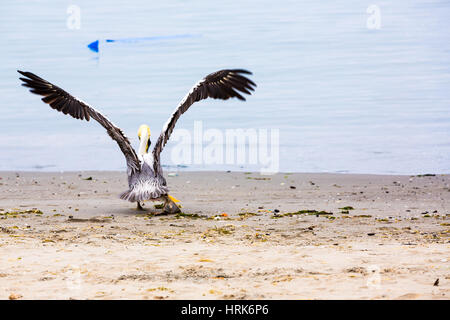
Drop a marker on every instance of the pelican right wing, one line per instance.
(222, 84)
(64, 102)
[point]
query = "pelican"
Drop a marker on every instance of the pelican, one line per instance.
(145, 175)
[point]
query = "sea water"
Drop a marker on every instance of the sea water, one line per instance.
(352, 86)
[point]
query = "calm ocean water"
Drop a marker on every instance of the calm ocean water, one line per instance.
(345, 98)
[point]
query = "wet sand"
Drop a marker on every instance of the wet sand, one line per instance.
(240, 236)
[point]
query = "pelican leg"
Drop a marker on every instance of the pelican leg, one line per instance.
(139, 207)
(170, 207)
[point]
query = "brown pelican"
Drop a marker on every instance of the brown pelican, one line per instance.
(145, 175)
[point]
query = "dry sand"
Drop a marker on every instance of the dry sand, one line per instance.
(229, 243)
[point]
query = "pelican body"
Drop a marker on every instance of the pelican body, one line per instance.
(148, 182)
(145, 175)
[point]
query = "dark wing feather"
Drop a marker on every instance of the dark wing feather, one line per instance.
(223, 84)
(62, 101)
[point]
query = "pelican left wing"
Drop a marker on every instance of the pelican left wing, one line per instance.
(223, 84)
(64, 102)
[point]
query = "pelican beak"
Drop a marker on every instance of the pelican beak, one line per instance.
(144, 137)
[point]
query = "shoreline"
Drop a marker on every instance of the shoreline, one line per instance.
(166, 171)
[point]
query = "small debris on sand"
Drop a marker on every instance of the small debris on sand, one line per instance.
(14, 296)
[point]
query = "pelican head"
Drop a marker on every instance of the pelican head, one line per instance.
(144, 138)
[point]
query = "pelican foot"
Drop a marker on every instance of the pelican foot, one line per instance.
(139, 207)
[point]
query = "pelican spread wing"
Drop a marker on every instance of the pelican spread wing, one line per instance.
(64, 102)
(223, 84)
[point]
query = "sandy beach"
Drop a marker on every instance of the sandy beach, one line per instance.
(240, 236)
